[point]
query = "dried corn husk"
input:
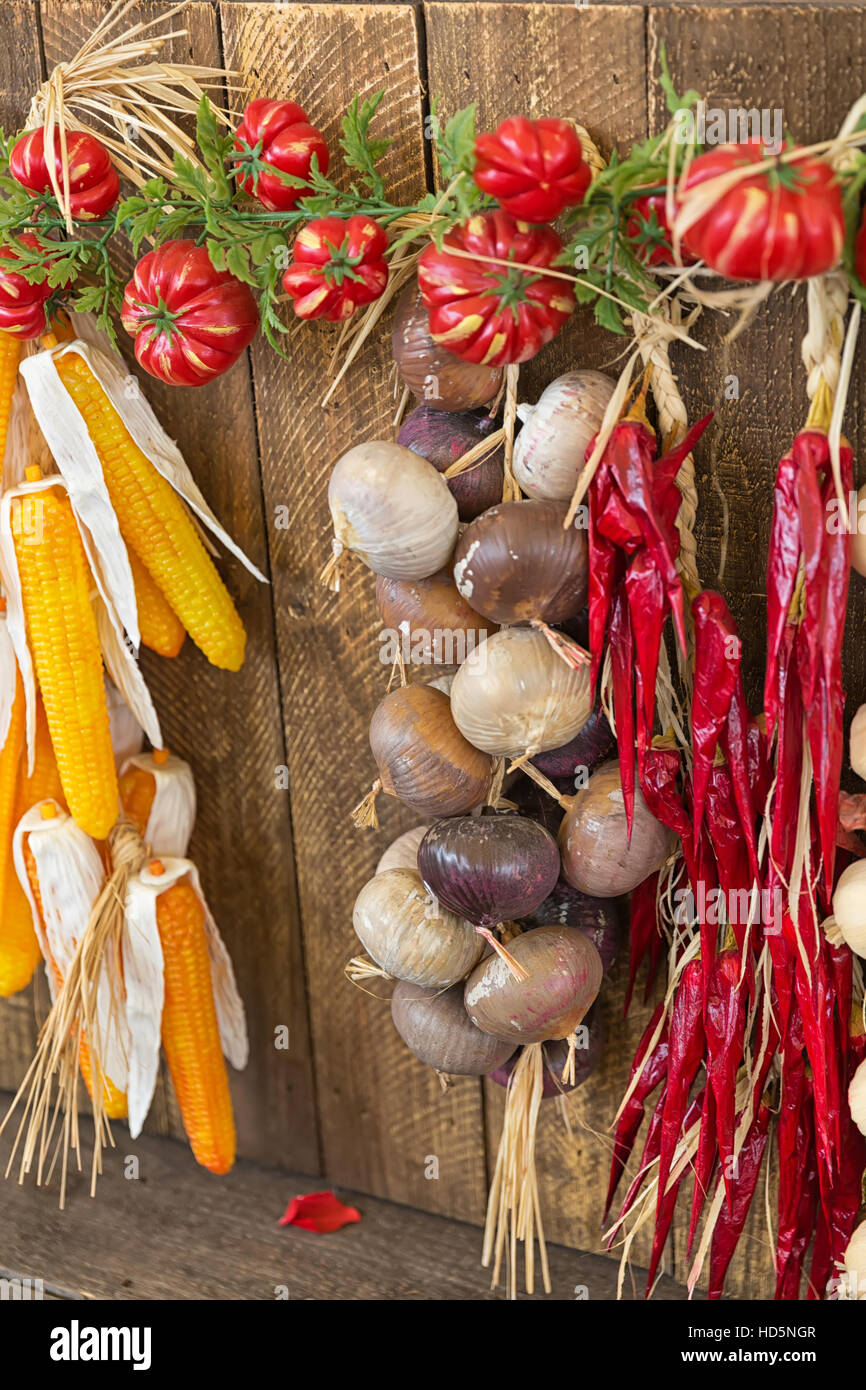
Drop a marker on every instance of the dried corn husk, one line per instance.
(172, 815)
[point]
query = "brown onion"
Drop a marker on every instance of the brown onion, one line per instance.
(393, 510)
(422, 757)
(438, 378)
(434, 620)
(564, 974)
(549, 451)
(442, 437)
(597, 857)
(436, 1027)
(587, 1056)
(406, 932)
(402, 853)
(516, 563)
(514, 695)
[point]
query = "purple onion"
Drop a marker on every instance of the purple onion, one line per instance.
(532, 801)
(600, 918)
(589, 747)
(554, 1055)
(444, 436)
(490, 868)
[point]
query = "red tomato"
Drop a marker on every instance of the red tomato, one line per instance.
(337, 265)
(22, 305)
(93, 181)
(649, 233)
(486, 312)
(277, 133)
(784, 222)
(190, 321)
(534, 169)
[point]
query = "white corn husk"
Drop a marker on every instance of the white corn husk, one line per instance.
(8, 679)
(172, 815)
(127, 735)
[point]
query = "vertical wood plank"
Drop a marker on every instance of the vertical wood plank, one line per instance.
(382, 1114)
(228, 725)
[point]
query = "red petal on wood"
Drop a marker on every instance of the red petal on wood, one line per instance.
(322, 1212)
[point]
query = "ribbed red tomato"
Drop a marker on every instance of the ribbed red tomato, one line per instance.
(22, 305)
(649, 233)
(491, 301)
(533, 169)
(93, 181)
(337, 264)
(190, 322)
(277, 133)
(784, 222)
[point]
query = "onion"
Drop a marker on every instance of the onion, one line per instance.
(516, 563)
(587, 1055)
(515, 695)
(598, 917)
(596, 854)
(590, 746)
(489, 869)
(422, 757)
(436, 1027)
(536, 802)
(402, 853)
(393, 510)
(442, 437)
(857, 1097)
(857, 742)
(438, 378)
(849, 906)
(433, 618)
(406, 932)
(564, 976)
(549, 451)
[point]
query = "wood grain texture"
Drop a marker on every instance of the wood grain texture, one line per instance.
(228, 725)
(382, 1114)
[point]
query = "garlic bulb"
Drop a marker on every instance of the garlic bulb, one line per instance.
(857, 743)
(597, 856)
(549, 450)
(433, 619)
(849, 906)
(514, 695)
(423, 758)
(402, 853)
(858, 539)
(393, 510)
(857, 1097)
(852, 1284)
(406, 932)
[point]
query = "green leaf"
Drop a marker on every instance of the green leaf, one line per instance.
(455, 144)
(217, 252)
(607, 315)
(361, 150)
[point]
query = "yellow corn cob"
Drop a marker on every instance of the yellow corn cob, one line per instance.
(114, 1099)
(138, 789)
(190, 1035)
(10, 356)
(55, 587)
(43, 783)
(155, 523)
(160, 627)
(19, 947)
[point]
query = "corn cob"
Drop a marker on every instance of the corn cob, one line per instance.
(113, 1098)
(55, 588)
(160, 627)
(43, 783)
(19, 947)
(190, 1035)
(137, 791)
(155, 523)
(10, 356)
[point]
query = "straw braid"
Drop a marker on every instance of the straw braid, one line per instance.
(821, 349)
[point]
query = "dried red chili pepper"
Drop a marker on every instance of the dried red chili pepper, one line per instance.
(729, 1226)
(686, 1036)
(837, 1214)
(621, 673)
(704, 1163)
(667, 1199)
(724, 1026)
(798, 1186)
(645, 938)
(652, 1067)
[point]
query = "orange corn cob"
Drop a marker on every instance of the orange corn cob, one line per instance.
(155, 523)
(19, 947)
(114, 1099)
(55, 587)
(10, 356)
(160, 627)
(137, 791)
(190, 1035)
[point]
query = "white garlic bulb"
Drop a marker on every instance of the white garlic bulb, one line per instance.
(858, 539)
(852, 1283)
(402, 853)
(393, 510)
(410, 935)
(857, 1097)
(549, 450)
(857, 743)
(849, 906)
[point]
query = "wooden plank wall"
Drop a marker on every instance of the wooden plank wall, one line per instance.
(282, 870)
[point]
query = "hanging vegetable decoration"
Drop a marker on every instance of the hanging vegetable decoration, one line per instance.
(534, 169)
(336, 266)
(276, 148)
(432, 373)
(93, 183)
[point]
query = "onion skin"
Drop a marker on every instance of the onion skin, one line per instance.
(393, 510)
(435, 1026)
(596, 855)
(598, 917)
(491, 868)
(422, 757)
(564, 977)
(442, 437)
(549, 451)
(516, 563)
(402, 853)
(555, 1055)
(408, 934)
(515, 695)
(438, 378)
(589, 747)
(424, 607)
